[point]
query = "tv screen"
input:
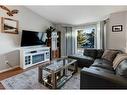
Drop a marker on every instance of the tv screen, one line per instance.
(32, 38)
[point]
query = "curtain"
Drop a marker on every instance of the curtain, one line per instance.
(68, 37)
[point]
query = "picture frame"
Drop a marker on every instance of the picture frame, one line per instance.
(9, 25)
(117, 28)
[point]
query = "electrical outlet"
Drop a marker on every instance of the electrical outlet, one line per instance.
(6, 62)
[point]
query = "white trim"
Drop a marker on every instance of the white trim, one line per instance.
(8, 69)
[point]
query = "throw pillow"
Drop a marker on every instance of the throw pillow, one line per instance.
(99, 53)
(119, 58)
(122, 69)
(110, 54)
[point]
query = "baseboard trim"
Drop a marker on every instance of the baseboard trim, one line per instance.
(8, 69)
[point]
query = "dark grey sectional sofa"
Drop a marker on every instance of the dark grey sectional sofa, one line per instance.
(98, 73)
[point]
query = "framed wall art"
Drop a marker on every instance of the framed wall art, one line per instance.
(117, 28)
(9, 25)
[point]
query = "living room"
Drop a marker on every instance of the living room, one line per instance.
(65, 41)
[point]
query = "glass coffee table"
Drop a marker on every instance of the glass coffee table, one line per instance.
(57, 72)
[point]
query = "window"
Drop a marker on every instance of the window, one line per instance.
(86, 38)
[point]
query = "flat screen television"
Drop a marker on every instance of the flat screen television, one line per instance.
(33, 38)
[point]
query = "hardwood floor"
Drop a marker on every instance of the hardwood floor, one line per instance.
(10, 73)
(13, 72)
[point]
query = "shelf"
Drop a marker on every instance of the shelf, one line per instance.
(57, 44)
(63, 80)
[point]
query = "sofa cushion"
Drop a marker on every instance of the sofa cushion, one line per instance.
(102, 70)
(99, 53)
(122, 69)
(90, 52)
(119, 58)
(103, 64)
(110, 54)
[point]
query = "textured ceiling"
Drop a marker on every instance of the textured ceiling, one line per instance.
(75, 15)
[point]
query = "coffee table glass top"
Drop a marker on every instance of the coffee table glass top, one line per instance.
(55, 73)
(59, 64)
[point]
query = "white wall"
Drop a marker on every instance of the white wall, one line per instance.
(117, 40)
(10, 43)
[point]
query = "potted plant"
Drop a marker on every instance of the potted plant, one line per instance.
(49, 31)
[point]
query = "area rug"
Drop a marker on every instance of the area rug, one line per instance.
(29, 80)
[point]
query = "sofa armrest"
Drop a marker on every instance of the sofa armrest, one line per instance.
(95, 79)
